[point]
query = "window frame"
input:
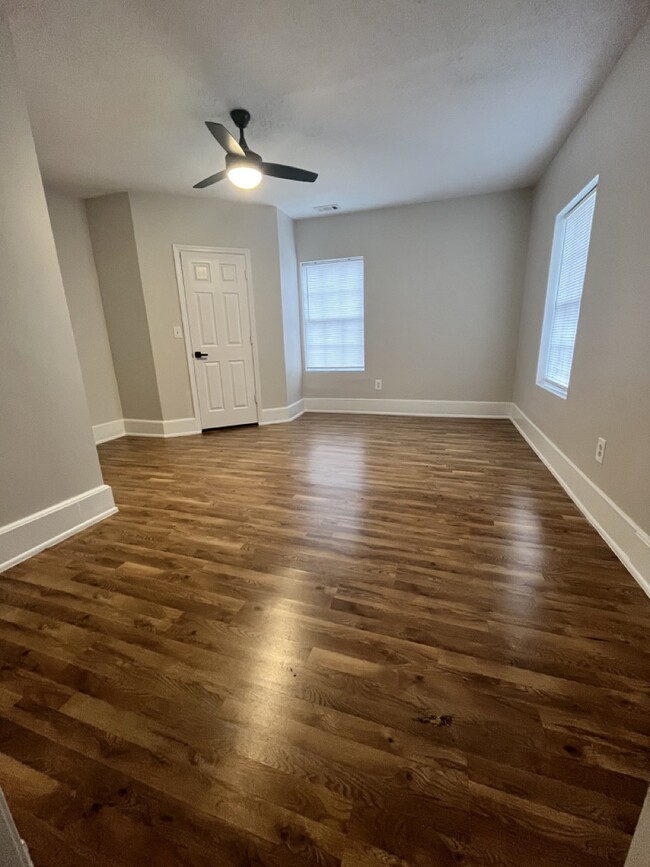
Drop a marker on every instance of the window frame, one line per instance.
(302, 291)
(552, 288)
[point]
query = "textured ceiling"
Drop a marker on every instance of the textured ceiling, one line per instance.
(389, 100)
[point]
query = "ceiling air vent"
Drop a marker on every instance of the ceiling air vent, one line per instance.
(326, 209)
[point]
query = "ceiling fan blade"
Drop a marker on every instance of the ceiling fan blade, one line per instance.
(290, 173)
(227, 142)
(207, 182)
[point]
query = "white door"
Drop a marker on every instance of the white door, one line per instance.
(216, 291)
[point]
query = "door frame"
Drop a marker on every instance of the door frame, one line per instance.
(182, 297)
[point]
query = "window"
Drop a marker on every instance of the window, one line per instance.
(565, 281)
(332, 314)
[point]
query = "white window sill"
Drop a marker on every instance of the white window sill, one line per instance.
(554, 388)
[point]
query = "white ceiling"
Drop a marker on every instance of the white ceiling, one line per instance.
(389, 100)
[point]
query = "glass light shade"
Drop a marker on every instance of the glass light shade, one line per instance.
(245, 177)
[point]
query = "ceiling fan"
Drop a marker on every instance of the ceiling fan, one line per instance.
(244, 168)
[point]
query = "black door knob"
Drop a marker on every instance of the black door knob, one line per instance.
(198, 354)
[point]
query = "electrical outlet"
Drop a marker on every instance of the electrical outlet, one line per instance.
(600, 450)
(378, 385)
(178, 332)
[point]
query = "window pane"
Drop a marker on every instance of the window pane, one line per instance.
(332, 302)
(571, 244)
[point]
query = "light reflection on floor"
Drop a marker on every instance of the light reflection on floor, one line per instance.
(332, 463)
(522, 528)
(340, 462)
(272, 668)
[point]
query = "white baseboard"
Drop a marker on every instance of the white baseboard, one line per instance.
(181, 427)
(144, 427)
(279, 414)
(626, 539)
(28, 536)
(389, 406)
(178, 427)
(108, 430)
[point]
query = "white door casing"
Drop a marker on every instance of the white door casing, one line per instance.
(217, 317)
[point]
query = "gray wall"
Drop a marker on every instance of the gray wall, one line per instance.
(638, 854)
(290, 308)
(608, 394)
(47, 453)
(116, 260)
(74, 251)
(160, 221)
(443, 284)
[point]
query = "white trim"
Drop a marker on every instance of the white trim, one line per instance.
(280, 414)
(176, 427)
(627, 540)
(27, 536)
(108, 430)
(552, 286)
(554, 387)
(388, 406)
(182, 297)
(145, 427)
(180, 427)
(328, 261)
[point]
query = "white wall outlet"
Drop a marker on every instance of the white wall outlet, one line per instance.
(178, 332)
(378, 385)
(600, 450)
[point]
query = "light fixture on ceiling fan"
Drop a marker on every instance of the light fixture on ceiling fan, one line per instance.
(244, 168)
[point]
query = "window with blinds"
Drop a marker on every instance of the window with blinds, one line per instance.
(332, 314)
(566, 279)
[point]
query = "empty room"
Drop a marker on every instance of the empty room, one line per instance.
(325, 433)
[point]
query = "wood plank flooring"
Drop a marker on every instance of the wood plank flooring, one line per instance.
(345, 641)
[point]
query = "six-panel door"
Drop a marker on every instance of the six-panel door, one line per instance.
(220, 332)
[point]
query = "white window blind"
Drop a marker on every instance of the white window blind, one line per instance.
(566, 280)
(332, 313)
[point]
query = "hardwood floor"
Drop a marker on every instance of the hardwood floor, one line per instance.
(345, 641)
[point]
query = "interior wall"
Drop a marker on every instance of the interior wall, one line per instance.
(443, 284)
(46, 443)
(290, 307)
(609, 391)
(118, 270)
(638, 853)
(161, 220)
(74, 251)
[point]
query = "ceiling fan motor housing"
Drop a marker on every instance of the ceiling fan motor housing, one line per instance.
(240, 117)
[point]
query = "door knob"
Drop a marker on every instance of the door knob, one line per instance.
(198, 354)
